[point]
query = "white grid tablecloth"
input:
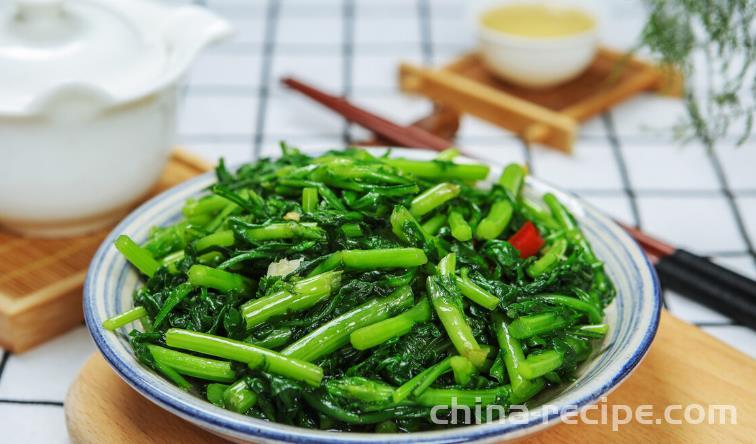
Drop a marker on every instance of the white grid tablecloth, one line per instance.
(625, 163)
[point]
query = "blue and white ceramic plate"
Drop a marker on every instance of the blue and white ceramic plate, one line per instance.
(633, 318)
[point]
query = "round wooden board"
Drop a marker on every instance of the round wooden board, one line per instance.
(101, 408)
(684, 366)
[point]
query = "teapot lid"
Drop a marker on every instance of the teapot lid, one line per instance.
(110, 49)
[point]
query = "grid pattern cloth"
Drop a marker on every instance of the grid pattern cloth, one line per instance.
(625, 162)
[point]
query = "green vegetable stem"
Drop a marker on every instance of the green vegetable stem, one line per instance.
(335, 333)
(380, 332)
(449, 311)
(433, 198)
(139, 257)
(255, 357)
(227, 282)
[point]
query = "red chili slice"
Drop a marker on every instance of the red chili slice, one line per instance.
(527, 240)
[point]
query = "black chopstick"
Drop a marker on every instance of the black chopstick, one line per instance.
(709, 284)
(700, 279)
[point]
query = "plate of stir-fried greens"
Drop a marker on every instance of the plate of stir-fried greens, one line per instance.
(370, 292)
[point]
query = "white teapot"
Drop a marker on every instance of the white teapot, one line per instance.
(88, 98)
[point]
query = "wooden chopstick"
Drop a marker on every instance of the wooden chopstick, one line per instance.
(407, 136)
(651, 245)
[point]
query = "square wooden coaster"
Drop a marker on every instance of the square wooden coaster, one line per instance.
(41, 279)
(550, 116)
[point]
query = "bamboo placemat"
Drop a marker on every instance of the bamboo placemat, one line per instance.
(41, 279)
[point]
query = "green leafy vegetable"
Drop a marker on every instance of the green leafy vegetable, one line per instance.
(353, 292)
